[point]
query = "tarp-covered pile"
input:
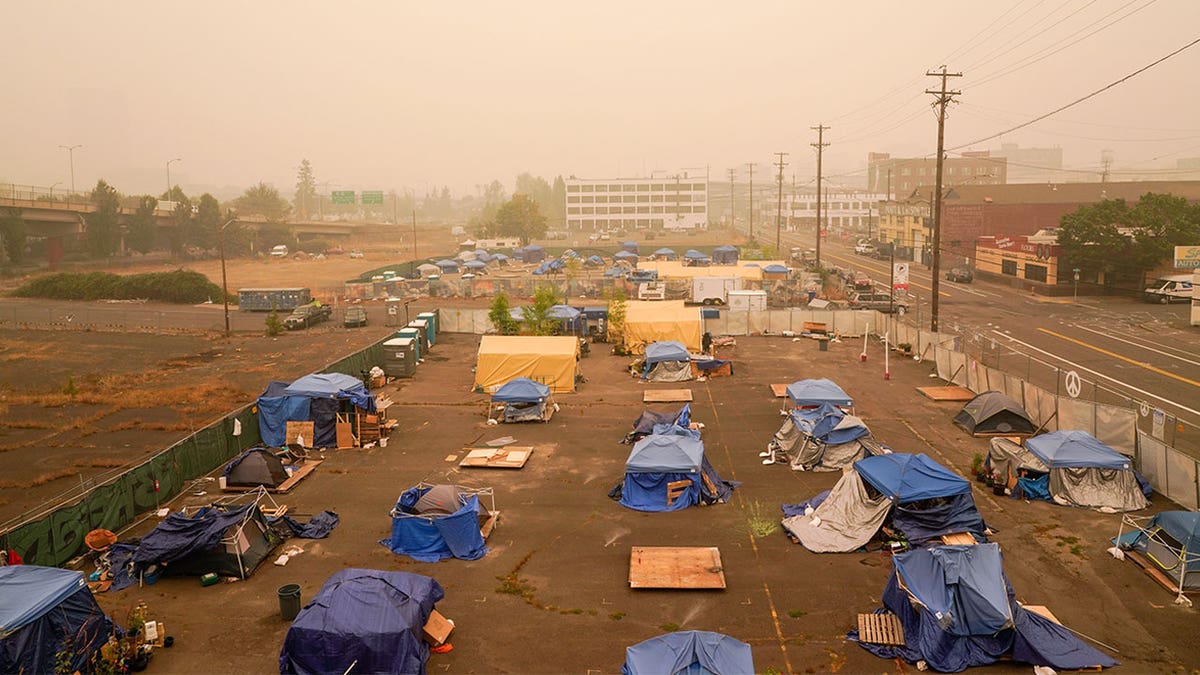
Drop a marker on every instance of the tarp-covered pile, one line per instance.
(47, 613)
(644, 424)
(917, 499)
(667, 361)
(435, 522)
(958, 610)
(318, 398)
(524, 401)
(820, 439)
(1084, 472)
(689, 651)
(228, 540)
(363, 621)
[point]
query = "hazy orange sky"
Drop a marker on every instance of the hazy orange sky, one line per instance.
(407, 95)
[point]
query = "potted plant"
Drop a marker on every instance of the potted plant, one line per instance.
(905, 348)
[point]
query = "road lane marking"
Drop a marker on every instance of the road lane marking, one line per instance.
(1096, 373)
(1139, 346)
(1119, 357)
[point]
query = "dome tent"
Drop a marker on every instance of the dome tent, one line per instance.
(994, 413)
(254, 467)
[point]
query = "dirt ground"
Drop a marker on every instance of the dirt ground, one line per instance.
(552, 595)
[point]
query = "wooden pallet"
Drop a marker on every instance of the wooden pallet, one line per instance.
(958, 539)
(880, 629)
(692, 567)
(1155, 573)
(305, 469)
(951, 393)
(779, 390)
(667, 396)
(488, 524)
(496, 458)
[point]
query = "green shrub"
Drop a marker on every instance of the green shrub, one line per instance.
(179, 286)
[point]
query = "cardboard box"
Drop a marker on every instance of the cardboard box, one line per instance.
(437, 629)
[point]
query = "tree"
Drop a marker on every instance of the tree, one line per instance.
(13, 231)
(537, 189)
(206, 222)
(616, 318)
(520, 217)
(1123, 242)
(103, 231)
(1090, 238)
(306, 190)
(537, 315)
(500, 316)
(262, 200)
(1161, 222)
(181, 219)
(483, 223)
(558, 204)
(140, 233)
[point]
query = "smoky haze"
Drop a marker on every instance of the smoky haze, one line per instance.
(409, 96)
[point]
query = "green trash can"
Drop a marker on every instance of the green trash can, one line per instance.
(823, 344)
(289, 601)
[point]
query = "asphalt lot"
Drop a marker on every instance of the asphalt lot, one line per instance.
(566, 546)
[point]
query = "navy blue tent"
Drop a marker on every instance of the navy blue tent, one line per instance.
(689, 651)
(1084, 472)
(813, 393)
(694, 256)
(630, 246)
(533, 253)
(276, 409)
(44, 611)
(363, 621)
(929, 499)
(725, 255)
(197, 544)
(447, 266)
(316, 397)
(435, 522)
(644, 424)
(659, 459)
(958, 610)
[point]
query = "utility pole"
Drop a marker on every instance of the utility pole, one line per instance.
(820, 146)
(942, 98)
(412, 266)
(71, 154)
(751, 165)
(779, 203)
(732, 218)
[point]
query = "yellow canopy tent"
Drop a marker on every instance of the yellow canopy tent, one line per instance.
(647, 322)
(553, 361)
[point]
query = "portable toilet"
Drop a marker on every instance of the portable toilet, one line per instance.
(399, 357)
(393, 306)
(415, 335)
(434, 329)
(423, 327)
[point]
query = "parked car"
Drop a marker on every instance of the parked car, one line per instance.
(334, 250)
(355, 317)
(279, 251)
(356, 254)
(962, 275)
(307, 315)
(865, 248)
(878, 301)
(605, 237)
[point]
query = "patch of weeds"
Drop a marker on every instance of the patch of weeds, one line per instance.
(796, 613)
(669, 627)
(574, 610)
(760, 524)
(513, 584)
(69, 388)
(617, 616)
(772, 670)
(1077, 550)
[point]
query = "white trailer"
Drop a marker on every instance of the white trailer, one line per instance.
(714, 290)
(748, 300)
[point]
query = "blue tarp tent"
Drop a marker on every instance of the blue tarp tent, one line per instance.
(692, 255)
(824, 438)
(665, 254)
(571, 318)
(725, 255)
(447, 266)
(483, 256)
(474, 265)
(630, 246)
(500, 258)
(316, 397)
(958, 610)
(667, 361)
(436, 522)
(276, 409)
(1170, 540)
(196, 544)
(594, 261)
(830, 425)
(659, 459)
(625, 255)
(908, 478)
(689, 651)
(44, 611)
(362, 621)
(1083, 472)
(775, 269)
(813, 393)
(533, 253)
(524, 401)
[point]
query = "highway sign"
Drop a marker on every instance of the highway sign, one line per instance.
(343, 197)
(372, 197)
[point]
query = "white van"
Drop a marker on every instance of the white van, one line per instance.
(279, 251)
(1175, 288)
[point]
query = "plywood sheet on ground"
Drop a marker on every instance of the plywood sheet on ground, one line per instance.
(676, 567)
(667, 396)
(951, 393)
(1156, 573)
(880, 629)
(497, 458)
(779, 390)
(299, 430)
(300, 474)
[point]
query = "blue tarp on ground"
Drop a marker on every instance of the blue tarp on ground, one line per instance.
(44, 611)
(1075, 449)
(689, 651)
(436, 536)
(815, 392)
(725, 255)
(906, 478)
(362, 621)
(521, 390)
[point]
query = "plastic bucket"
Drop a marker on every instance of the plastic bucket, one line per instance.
(289, 601)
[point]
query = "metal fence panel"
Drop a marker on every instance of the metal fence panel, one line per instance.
(1117, 427)
(1040, 404)
(1074, 414)
(1181, 478)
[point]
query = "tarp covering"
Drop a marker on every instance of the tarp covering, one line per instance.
(667, 361)
(994, 412)
(962, 586)
(43, 611)
(1009, 460)
(431, 536)
(665, 454)
(844, 522)
(657, 321)
(659, 459)
(806, 393)
(725, 255)
(690, 651)
(521, 390)
(447, 266)
(625, 255)
(905, 478)
(665, 253)
(363, 621)
(333, 385)
(823, 438)
(1171, 541)
(193, 544)
(1074, 449)
(276, 409)
(550, 360)
(669, 350)
(648, 419)
(775, 269)
(1085, 472)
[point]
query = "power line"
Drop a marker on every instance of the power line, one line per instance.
(820, 145)
(1001, 51)
(971, 43)
(779, 204)
(1080, 122)
(1080, 100)
(943, 98)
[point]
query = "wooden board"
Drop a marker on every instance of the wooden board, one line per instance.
(437, 629)
(779, 390)
(1155, 573)
(951, 393)
(295, 429)
(880, 629)
(497, 458)
(667, 396)
(305, 469)
(1042, 611)
(676, 567)
(489, 523)
(345, 435)
(958, 539)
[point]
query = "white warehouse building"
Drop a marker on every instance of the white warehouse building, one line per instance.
(677, 203)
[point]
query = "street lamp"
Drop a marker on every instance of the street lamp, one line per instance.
(1075, 275)
(71, 151)
(224, 281)
(52, 190)
(177, 159)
